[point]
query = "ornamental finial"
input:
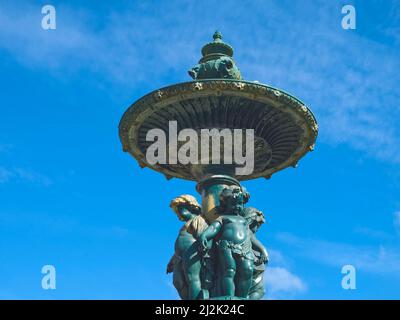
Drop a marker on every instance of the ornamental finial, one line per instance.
(217, 36)
(216, 61)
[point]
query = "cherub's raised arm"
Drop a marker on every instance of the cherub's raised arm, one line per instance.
(210, 233)
(257, 245)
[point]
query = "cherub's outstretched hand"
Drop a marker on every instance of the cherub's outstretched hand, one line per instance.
(203, 244)
(170, 267)
(264, 257)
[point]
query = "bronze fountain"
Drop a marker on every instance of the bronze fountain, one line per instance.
(217, 254)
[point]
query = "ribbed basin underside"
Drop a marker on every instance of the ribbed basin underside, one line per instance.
(284, 128)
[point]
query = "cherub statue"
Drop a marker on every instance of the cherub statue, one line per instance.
(255, 218)
(186, 261)
(233, 241)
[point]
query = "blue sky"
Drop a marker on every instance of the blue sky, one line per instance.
(71, 198)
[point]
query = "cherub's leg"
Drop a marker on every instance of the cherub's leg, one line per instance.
(244, 276)
(257, 292)
(192, 266)
(179, 280)
(228, 270)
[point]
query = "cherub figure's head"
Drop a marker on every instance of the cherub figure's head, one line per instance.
(255, 218)
(185, 207)
(231, 200)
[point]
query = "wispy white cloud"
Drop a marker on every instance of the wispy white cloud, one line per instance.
(280, 281)
(60, 224)
(23, 175)
(277, 258)
(392, 31)
(396, 220)
(282, 284)
(126, 47)
(372, 233)
(5, 295)
(5, 175)
(350, 80)
(5, 147)
(372, 259)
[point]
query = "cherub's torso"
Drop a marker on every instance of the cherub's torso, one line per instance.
(234, 228)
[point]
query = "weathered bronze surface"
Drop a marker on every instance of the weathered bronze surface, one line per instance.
(217, 254)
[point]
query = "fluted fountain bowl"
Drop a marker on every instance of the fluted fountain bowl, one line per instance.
(284, 127)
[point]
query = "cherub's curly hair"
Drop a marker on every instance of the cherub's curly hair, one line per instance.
(254, 216)
(185, 200)
(227, 193)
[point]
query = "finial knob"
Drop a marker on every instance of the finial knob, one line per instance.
(217, 36)
(217, 61)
